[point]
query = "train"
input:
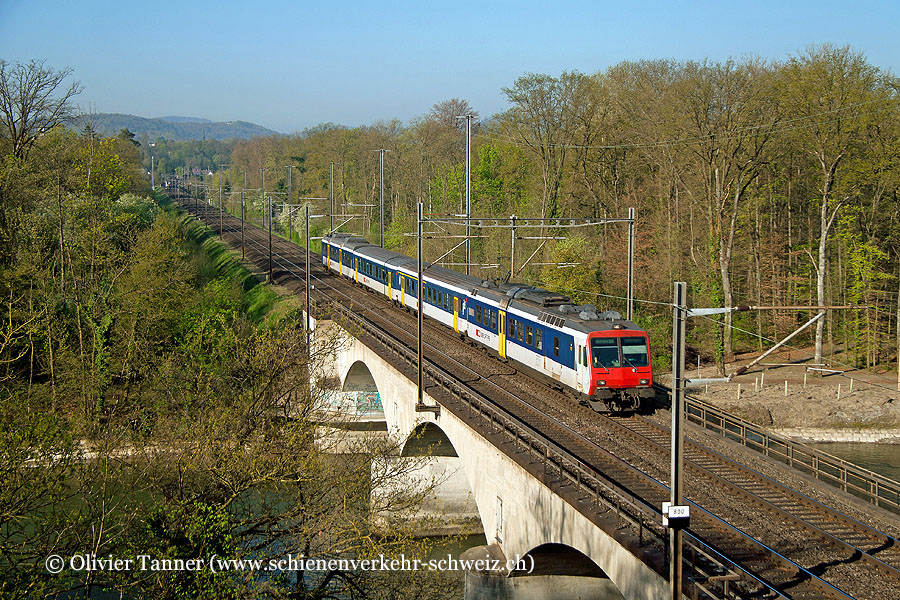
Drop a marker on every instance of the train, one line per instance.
(600, 358)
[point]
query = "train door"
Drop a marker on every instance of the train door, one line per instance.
(501, 347)
(356, 270)
(456, 314)
(580, 370)
(390, 287)
(402, 290)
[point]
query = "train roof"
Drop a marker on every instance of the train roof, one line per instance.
(545, 305)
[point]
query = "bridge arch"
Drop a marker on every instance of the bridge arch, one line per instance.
(359, 379)
(557, 559)
(428, 439)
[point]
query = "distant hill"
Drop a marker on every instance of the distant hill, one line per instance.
(184, 119)
(174, 128)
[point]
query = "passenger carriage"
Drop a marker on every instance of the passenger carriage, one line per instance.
(600, 358)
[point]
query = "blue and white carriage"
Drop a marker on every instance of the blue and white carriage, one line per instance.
(602, 358)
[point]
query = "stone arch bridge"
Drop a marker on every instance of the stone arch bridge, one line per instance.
(520, 515)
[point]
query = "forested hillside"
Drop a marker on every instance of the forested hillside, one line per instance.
(171, 128)
(760, 183)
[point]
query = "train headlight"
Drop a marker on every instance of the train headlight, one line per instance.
(645, 381)
(601, 382)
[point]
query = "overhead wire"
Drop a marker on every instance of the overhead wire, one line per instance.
(832, 361)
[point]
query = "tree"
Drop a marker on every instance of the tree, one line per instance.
(447, 113)
(730, 118)
(544, 117)
(32, 102)
(833, 93)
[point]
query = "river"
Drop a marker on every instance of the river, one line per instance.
(879, 457)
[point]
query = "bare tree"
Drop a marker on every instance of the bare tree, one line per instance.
(445, 113)
(32, 101)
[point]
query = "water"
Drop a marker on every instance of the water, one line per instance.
(456, 545)
(879, 457)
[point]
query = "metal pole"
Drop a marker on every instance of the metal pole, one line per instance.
(468, 190)
(678, 342)
(419, 215)
(221, 212)
(290, 228)
(331, 196)
(269, 210)
(308, 353)
(242, 214)
(630, 307)
(779, 344)
(381, 202)
(152, 185)
(512, 248)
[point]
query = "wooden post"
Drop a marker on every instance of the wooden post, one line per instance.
(839, 391)
(785, 388)
(804, 379)
(739, 392)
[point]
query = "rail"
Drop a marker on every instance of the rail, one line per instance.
(712, 575)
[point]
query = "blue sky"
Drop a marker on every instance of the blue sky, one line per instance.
(291, 65)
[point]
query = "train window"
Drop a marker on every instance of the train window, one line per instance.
(528, 335)
(512, 329)
(493, 319)
(634, 352)
(538, 344)
(478, 314)
(556, 346)
(605, 352)
(521, 332)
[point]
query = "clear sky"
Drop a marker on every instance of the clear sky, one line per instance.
(288, 65)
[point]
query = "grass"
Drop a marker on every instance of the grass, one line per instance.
(214, 260)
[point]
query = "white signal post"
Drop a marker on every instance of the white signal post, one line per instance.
(679, 314)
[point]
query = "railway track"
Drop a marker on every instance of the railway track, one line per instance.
(839, 541)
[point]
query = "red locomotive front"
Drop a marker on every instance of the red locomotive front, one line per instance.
(621, 373)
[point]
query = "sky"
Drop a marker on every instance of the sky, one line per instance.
(290, 65)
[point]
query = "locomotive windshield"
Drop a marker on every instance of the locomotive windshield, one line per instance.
(634, 351)
(605, 352)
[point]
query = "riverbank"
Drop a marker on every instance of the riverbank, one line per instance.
(853, 406)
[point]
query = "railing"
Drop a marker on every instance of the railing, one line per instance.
(863, 483)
